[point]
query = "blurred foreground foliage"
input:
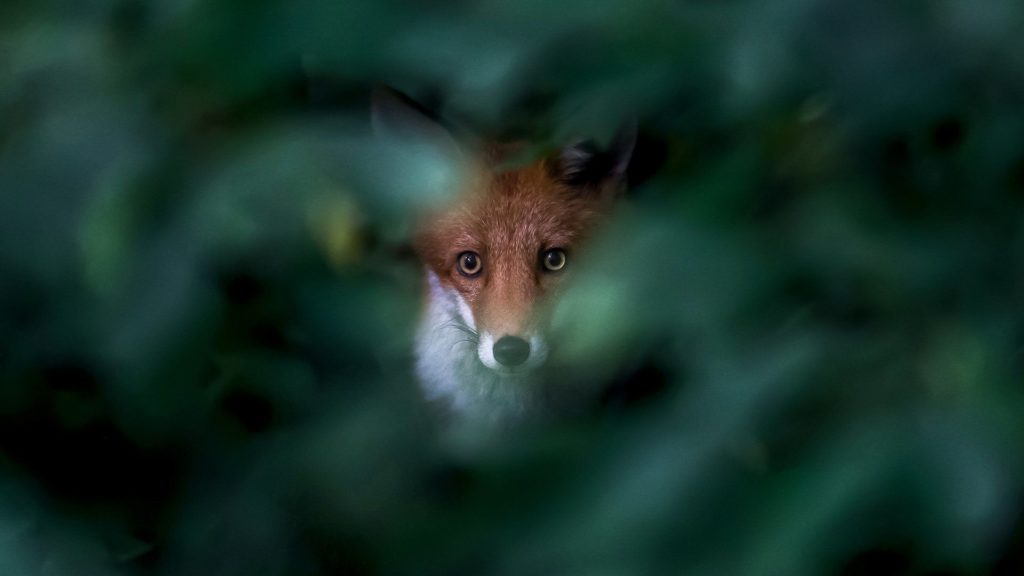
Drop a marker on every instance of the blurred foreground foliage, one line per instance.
(809, 316)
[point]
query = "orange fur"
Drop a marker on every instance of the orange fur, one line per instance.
(509, 218)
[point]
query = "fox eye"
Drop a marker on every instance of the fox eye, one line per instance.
(553, 260)
(469, 264)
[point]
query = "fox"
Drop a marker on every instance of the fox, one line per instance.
(496, 258)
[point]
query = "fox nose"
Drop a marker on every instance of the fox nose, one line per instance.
(511, 351)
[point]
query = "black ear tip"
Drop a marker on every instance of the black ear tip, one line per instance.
(586, 163)
(381, 91)
(580, 163)
(387, 96)
(385, 100)
(623, 145)
(580, 152)
(381, 95)
(394, 114)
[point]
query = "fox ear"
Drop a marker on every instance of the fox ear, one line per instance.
(585, 164)
(395, 115)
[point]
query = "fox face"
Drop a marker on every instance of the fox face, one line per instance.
(494, 261)
(501, 253)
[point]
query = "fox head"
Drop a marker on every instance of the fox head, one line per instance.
(496, 256)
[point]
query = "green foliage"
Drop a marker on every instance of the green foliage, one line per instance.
(809, 314)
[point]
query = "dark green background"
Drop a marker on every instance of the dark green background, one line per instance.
(809, 317)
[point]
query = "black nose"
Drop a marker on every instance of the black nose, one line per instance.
(511, 351)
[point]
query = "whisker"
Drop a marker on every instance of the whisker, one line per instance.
(464, 341)
(464, 330)
(460, 327)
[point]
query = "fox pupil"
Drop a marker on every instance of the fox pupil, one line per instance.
(554, 260)
(469, 264)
